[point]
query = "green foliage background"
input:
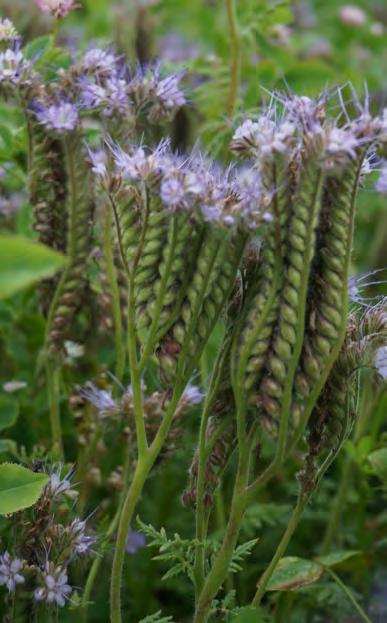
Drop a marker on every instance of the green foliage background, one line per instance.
(303, 47)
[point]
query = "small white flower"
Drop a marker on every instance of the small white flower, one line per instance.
(61, 117)
(98, 61)
(81, 542)
(381, 183)
(381, 361)
(14, 386)
(101, 399)
(192, 394)
(13, 66)
(10, 569)
(8, 31)
(352, 15)
(54, 589)
(58, 485)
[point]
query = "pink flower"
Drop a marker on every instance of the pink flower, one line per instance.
(56, 8)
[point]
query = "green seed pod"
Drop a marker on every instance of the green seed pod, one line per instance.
(261, 310)
(174, 272)
(126, 202)
(206, 295)
(47, 196)
(71, 287)
(155, 227)
(287, 340)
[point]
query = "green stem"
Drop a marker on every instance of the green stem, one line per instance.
(235, 52)
(128, 508)
(53, 386)
(282, 546)
(302, 500)
(115, 294)
(220, 517)
(84, 462)
(201, 515)
(108, 534)
(223, 558)
(340, 500)
(144, 465)
(350, 596)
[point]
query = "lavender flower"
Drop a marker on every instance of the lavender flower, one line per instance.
(101, 399)
(192, 394)
(10, 569)
(56, 8)
(58, 485)
(339, 144)
(172, 191)
(381, 362)
(167, 98)
(263, 137)
(13, 66)
(61, 117)
(180, 188)
(80, 541)
(134, 542)
(8, 31)
(381, 183)
(98, 61)
(141, 166)
(98, 163)
(110, 98)
(54, 588)
(169, 93)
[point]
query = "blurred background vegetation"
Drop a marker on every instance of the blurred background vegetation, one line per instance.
(303, 46)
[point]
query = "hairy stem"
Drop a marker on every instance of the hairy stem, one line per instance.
(201, 515)
(235, 52)
(115, 294)
(223, 558)
(350, 596)
(53, 386)
(282, 546)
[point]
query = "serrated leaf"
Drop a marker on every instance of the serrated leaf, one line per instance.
(22, 262)
(9, 411)
(335, 558)
(293, 573)
(19, 487)
(378, 462)
(174, 571)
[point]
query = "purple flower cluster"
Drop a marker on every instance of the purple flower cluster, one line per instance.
(107, 86)
(286, 124)
(15, 69)
(53, 587)
(61, 117)
(11, 571)
(227, 197)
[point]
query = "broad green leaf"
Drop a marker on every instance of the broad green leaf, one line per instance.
(378, 461)
(19, 487)
(38, 47)
(22, 262)
(293, 573)
(9, 411)
(335, 558)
